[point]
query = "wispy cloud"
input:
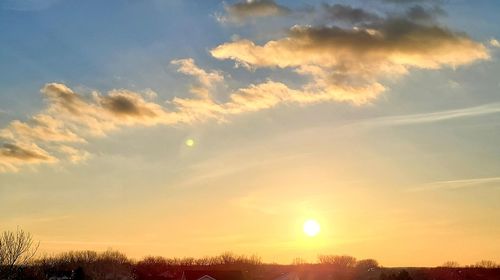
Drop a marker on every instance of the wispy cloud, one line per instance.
(458, 184)
(206, 80)
(492, 108)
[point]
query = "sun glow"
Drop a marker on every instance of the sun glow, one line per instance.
(189, 142)
(311, 228)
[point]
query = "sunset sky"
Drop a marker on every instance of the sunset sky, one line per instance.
(190, 128)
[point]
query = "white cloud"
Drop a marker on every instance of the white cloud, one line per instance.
(494, 43)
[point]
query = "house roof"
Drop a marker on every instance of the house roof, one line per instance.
(212, 274)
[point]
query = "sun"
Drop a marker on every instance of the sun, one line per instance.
(311, 228)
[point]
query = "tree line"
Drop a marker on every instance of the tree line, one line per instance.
(18, 261)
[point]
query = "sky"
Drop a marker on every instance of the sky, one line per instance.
(191, 128)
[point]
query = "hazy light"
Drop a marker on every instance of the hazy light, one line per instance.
(190, 142)
(311, 228)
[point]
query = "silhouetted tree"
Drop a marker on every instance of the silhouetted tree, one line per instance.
(486, 264)
(299, 261)
(451, 264)
(151, 267)
(16, 250)
(337, 261)
(366, 265)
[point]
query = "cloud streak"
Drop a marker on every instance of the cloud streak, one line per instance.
(477, 111)
(458, 184)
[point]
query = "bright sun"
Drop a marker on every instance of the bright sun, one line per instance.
(311, 228)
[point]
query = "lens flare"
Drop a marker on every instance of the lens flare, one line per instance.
(189, 142)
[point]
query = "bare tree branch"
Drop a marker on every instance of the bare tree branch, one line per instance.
(16, 250)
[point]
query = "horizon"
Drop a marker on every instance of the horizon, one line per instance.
(277, 128)
(233, 258)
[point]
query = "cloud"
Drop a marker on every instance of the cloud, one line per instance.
(27, 153)
(346, 13)
(345, 62)
(188, 67)
(419, 13)
(14, 155)
(63, 98)
(74, 155)
(41, 127)
(393, 46)
(206, 80)
(71, 118)
(102, 113)
(249, 9)
(360, 17)
(127, 105)
(458, 184)
(487, 109)
(407, 2)
(494, 43)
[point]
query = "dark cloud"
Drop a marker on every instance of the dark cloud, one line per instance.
(347, 63)
(13, 155)
(242, 11)
(29, 154)
(126, 103)
(412, 1)
(346, 13)
(355, 16)
(393, 35)
(420, 13)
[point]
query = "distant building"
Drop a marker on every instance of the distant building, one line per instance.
(212, 275)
